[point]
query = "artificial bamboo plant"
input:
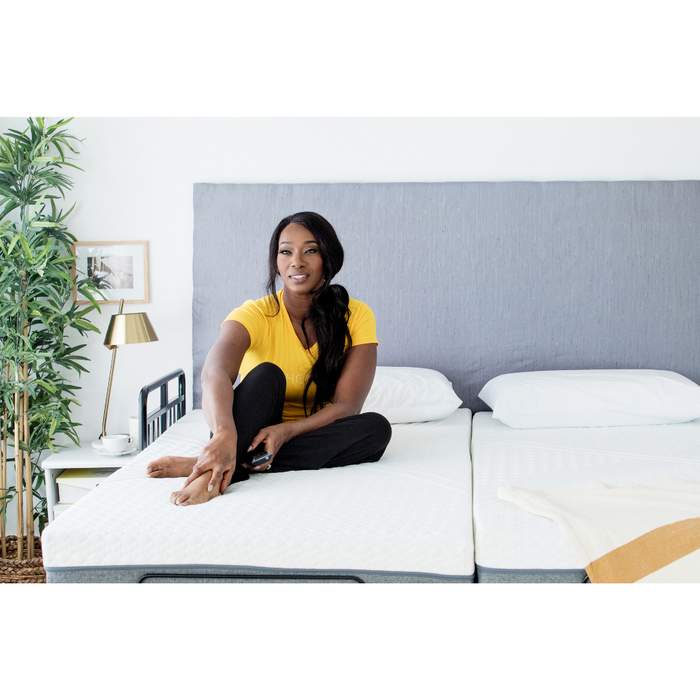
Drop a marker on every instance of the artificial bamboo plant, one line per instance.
(37, 312)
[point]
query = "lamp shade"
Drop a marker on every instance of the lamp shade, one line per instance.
(125, 329)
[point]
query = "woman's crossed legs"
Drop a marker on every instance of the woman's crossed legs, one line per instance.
(258, 403)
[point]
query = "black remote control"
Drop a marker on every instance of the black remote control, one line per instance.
(257, 458)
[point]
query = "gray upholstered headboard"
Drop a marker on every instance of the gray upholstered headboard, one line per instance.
(476, 279)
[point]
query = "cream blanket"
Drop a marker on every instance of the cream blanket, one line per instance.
(624, 534)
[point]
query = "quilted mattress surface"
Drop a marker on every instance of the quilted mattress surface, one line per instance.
(409, 512)
(507, 537)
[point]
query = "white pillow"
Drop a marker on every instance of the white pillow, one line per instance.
(592, 398)
(411, 395)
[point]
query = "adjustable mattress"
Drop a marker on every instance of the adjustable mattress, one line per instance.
(513, 545)
(404, 518)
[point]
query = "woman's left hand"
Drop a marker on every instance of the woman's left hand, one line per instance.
(274, 436)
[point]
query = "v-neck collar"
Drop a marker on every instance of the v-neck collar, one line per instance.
(291, 325)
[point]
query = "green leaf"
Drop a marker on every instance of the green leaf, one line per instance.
(84, 324)
(59, 124)
(10, 207)
(39, 224)
(68, 212)
(86, 293)
(37, 205)
(25, 245)
(13, 243)
(59, 273)
(72, 165)
(46, 385)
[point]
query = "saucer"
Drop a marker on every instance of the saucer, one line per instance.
(97, 444)
(102, 451)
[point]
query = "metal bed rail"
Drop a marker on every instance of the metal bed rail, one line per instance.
(152, 425)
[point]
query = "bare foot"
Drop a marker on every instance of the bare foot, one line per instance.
(168, 467)
(196, 492)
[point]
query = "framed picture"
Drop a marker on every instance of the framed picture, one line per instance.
(120, 269)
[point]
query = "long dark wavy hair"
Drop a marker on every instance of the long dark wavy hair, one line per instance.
(329, 311)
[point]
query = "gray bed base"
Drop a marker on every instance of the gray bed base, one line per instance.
(236, 574)
(249, 574)
(487, 575)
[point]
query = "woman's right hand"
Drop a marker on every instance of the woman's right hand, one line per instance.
(218, 377)
(219, 457)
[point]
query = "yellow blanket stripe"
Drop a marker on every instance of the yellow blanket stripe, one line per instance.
(646, 554)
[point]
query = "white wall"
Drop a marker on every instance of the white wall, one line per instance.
(139, 173)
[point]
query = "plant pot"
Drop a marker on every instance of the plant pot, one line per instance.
(13, 570)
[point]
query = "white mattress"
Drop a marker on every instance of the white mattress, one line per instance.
(406, 513)
(507, 537)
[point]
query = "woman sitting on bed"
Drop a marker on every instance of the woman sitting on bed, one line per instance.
(305, 347)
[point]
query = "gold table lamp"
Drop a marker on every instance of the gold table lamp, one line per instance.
(124, 329)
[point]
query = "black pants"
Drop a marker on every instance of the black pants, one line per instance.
(258, 402)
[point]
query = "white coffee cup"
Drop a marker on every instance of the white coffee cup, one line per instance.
(114, 444)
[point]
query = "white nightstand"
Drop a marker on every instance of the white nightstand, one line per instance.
(84, 457)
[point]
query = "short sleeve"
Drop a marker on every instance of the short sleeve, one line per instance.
(361, 324)
(256, 323)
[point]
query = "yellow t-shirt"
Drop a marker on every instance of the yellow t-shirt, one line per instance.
(272, 339)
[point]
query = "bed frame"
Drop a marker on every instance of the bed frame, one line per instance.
(473, 279)
(152, 425)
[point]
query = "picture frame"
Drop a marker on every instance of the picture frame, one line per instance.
(120, 266)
